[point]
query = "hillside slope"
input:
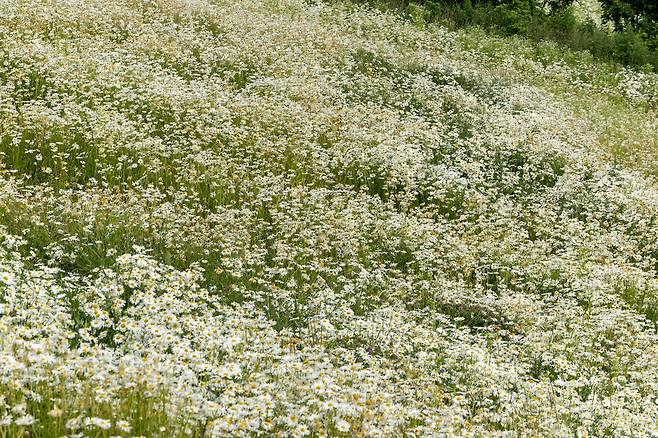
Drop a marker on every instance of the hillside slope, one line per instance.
(231, 218)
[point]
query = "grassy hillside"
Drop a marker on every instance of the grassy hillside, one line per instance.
(270, 217)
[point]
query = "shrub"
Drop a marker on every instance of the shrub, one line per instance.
(551, 20)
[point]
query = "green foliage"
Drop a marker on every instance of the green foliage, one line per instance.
(556, 6)
(631, 49)
(638, 16)
(635, 14)
(550, 21)
(417, 14)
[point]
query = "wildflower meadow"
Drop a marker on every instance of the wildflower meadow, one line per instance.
(319, 218)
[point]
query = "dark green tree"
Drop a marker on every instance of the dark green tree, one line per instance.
(634, 14)
(638, 16)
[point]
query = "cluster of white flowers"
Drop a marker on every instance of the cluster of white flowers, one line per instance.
(637, 85)
(266, 217)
